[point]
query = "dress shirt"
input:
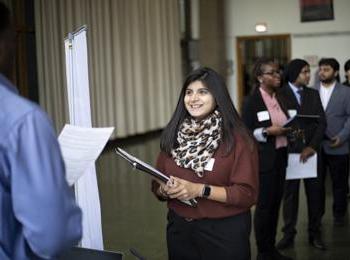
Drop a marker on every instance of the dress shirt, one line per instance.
(39, 216)
(325, 94)
(296, 91)
(277, 115)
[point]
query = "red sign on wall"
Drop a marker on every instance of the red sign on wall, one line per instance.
(316, 10)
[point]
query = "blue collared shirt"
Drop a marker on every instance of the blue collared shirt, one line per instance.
(295, 92)
(39, 216)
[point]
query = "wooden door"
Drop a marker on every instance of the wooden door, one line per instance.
(249, 49)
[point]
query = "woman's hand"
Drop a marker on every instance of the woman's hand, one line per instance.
(277, 130)
(177, 188)
(162, 190)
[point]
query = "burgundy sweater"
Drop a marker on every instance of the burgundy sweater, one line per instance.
(236, 171)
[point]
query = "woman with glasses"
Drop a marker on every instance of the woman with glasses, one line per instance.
(211, 157)
(265, 116)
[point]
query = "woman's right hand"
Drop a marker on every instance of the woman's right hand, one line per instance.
(163, 189)
(277, 130)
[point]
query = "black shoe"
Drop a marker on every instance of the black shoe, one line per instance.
(285, 242)
(339, 221)
(317, 242)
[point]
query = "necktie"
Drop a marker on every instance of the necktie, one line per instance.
(300, 92)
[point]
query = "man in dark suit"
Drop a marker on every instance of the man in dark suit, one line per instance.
(299, 99)
(335, 147)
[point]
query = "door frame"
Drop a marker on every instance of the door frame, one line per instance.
(239, 40)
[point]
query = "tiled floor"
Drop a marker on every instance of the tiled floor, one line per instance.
(133, 218)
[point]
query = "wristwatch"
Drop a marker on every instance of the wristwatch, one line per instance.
(206, 191)
(264, 132)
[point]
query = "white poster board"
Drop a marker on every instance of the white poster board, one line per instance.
(299, 170)
(86, 189)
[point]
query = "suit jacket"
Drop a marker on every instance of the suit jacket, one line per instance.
(338, 119)
(267, 152)
(310, 105)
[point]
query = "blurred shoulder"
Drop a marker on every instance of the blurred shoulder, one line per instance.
(16, 111)
(343, 88)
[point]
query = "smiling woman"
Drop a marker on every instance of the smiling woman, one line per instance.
(200, 148)
(199, 102)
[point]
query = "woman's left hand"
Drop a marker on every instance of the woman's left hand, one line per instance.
(184, 190)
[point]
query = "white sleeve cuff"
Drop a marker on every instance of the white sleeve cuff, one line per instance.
(258, 134)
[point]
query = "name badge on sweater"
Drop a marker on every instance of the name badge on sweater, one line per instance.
(210, 165)
(263, 116)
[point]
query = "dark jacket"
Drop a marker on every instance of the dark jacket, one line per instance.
(338, 119)
(267, 152)
(310, 105)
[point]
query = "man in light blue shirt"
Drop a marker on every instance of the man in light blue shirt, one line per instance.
(39, 216)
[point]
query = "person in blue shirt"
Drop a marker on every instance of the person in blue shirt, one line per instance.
(39, 216)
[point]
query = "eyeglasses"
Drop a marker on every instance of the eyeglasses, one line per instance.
(273, 73)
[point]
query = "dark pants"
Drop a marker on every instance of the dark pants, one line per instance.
(313, 191)
(207, 239)
(271, 186)
(338, 166)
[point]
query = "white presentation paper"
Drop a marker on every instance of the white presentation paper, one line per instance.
(86, 189)
(298, 170)
(80, 148)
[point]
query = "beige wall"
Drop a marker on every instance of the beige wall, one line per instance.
(321, 38)
(212, 35)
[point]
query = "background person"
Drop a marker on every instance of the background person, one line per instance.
(39, 217)
(265, 117)
(210, 156)
(347, 83)
(347, 73)
(299, 99)
(335, 147)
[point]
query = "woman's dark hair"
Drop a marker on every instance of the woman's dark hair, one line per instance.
(258, 70)
(347, 65)
(230, 118)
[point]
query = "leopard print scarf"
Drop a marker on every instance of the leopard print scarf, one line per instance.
(197, 142)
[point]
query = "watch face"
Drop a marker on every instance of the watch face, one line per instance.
(206, 192)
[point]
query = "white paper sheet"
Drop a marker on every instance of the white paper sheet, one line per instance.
(298, 170)
(80, 148)
(86, 188)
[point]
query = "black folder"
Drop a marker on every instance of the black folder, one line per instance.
(79, 253)
(144, 167)
(297, 137)
(299, 121)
